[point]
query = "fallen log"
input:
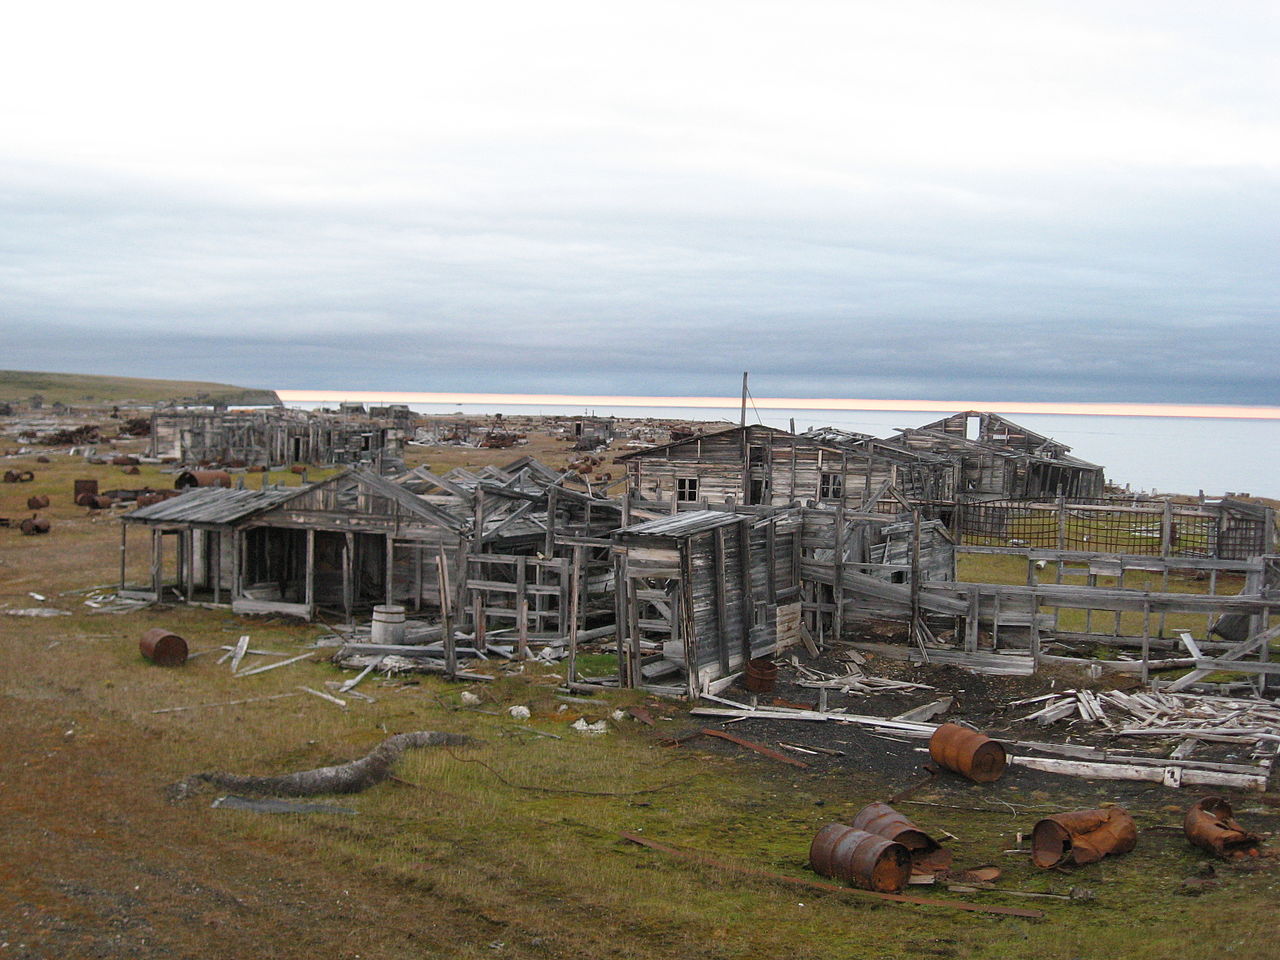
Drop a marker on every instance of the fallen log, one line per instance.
(350, 777)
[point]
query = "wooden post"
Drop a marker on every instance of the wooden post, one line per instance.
(1166, 529)
(1035, 630)
(1146, 640)
(446, 624)
(1062, 523)
(237, 562)
(391, 569)
(971, 622)
(157, 562)
(478, 621)
(917, 622)
(417, 578)
(348, 575)
(549, 547)
(575, 597)
(217, 566)
(310, 585)
(522, 631)
(124, 540)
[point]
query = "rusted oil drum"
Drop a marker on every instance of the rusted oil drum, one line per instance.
(37, 503)
(761, 675)
(1082, 836)
(860, 858)
(298, 469)
(164, 648)
(927, 855)
(202, 478)
(34, 526)
(967, 752)
(83, 487)
(1210, 824)
(124, 460)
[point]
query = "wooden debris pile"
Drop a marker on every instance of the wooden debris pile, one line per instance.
(1242, 721)
(854, 681)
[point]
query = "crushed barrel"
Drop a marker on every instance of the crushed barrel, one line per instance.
(860, 858)
(927, 855)
(82, 487)
(1082, 836)
(37, 503)
(967, 752)
(164, 648)
(1211, 826)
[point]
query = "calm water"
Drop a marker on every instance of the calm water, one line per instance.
(1160, 454)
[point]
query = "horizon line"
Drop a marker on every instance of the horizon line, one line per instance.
(1179, 410)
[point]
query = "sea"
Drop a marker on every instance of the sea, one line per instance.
(1186, 455)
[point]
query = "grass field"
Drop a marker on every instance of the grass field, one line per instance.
(506, 849)
(80, 388)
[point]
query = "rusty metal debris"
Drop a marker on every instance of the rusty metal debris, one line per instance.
(967, 752)
(18, 476)
(163, 648)
(927, 855)
(37, 503)
(34, 526)
(1082, 836)
(1209, 825)
(863, 859)
(759, 748)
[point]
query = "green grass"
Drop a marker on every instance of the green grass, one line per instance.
(77, 388)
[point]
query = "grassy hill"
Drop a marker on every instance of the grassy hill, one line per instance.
(79, 388)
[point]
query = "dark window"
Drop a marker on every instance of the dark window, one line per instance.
(832, 487)
(686, 489)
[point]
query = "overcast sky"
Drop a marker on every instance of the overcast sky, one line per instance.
(910, 200)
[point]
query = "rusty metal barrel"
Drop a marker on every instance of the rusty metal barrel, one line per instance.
(927, 855)
(34, 526)
(860, 858)
(82, 487)
(762, 674)
(37, 503)
(1082, 836)
(1210, 824)
(202, 478)
(164, 648)
(967, 752)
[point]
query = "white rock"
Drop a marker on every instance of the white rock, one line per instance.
(469, 699)
(582, 726)
(518, 712)
(618, 715)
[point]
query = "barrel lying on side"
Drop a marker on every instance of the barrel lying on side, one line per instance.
(927, 855)
(1211, 826)
(1083, 836)
(34, 526)
(37, 503)
(967, 752)
(163, 648)
(860, 858)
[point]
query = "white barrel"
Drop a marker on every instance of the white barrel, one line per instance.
(388, 623)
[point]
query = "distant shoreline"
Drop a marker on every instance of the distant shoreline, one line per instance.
(1183, 411)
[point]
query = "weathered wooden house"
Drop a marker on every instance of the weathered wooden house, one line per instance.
(701, 592)
(764, 466)
(358, 540)
(998, 459)
(203, 435)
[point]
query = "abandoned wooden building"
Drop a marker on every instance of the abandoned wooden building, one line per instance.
(358, 540)
(999, 459)
(764, 466)
(270, 437)
(701, 592)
